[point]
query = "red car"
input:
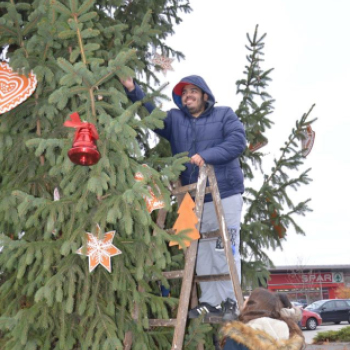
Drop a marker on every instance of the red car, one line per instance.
(310, 320)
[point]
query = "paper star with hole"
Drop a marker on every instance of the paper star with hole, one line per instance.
(163, 62)
(153, 202)
(100, 251)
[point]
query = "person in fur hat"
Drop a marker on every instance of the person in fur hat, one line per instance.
(262, 327)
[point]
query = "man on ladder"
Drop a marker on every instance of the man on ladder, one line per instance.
(212, 135)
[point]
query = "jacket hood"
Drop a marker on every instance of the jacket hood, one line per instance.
(254, 336)
(194, 80)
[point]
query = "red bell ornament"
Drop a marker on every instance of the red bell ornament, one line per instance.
(84, 150)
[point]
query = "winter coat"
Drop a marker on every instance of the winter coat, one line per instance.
(260, 334)
(217, 135)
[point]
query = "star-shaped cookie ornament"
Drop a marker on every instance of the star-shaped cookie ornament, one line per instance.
(100, 251)
(163, 62)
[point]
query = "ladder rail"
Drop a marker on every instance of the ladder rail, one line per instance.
(206, 174)
(191, 257)
(225, 237)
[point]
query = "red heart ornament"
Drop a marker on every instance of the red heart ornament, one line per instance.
(14, 88)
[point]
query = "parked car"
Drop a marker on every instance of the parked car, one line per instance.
(303, 302)
(297, 304)
(310, 320)
(335, 310)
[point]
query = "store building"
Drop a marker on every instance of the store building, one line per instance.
(310, 282)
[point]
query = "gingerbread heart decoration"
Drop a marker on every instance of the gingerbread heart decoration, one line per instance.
(14, 88)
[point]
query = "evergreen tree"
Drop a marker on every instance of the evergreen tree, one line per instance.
(270, 207)
(78, 50)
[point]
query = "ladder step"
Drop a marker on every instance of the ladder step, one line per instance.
(171, 322)
(188, 188)
(211, 234)
(214, 319)
(169, 275)
(208, 278)
(188, 293)
(204, 235)
(157, 322)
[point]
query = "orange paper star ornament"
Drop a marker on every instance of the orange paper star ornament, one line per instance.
(187, 219)
(100, 251)
(153, 202)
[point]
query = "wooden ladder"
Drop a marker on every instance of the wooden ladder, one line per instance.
(206, 173)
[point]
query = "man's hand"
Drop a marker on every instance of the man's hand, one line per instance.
(128, 83)
(198, 160)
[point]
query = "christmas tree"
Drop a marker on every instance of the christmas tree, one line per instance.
(82, 256)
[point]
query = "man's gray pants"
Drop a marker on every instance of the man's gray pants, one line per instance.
(210, 261)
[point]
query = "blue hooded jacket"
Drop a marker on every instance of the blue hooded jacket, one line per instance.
(217, 135)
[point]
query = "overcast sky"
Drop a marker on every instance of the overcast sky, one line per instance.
(307, 44)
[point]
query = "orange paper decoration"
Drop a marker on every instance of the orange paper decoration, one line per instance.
(14, 88)
(139, 176)
(279, 228)
(153, 202)
(187, 220)
(308, 142)
(257, 146)
(100, 251)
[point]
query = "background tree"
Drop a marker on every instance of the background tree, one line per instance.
(343, 292)
(271, 211)
(301, 286)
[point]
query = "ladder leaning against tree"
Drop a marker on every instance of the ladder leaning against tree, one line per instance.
(188, 286)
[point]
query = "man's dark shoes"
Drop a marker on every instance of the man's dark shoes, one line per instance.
(205, 309)
(230, 310)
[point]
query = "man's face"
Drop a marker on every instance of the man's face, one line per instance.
(193, 97)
